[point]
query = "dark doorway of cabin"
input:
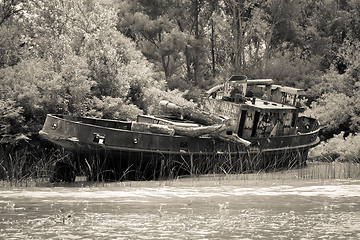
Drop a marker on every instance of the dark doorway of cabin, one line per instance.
(242, 123)
(256, 121)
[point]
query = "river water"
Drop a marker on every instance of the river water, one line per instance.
(201, 208)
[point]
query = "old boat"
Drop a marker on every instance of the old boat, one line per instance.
(264, 130)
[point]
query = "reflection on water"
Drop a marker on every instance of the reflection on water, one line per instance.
(288, 209)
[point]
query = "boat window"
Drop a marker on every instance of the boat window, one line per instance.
(98, 138)
(256, 121)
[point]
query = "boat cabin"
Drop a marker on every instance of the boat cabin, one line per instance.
(259, 109)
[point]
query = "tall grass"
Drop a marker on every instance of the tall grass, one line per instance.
(332, 170)
(25, 163)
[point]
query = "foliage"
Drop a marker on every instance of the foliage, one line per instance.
(155, 31)
(334, 96)
(9, 9)
(337, 148)
(32, 86)
(118, 59)
(112, 108)
(75, 84)
(37, 89)
(77, 63)
(332, 110)
(292, 71)
(153, 96)
(188, 39)
(11, 121)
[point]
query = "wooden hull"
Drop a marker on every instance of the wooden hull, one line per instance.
(108, 149)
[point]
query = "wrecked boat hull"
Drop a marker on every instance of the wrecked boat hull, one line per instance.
(109, 150)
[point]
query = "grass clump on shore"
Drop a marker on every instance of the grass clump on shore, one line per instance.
(26, 160)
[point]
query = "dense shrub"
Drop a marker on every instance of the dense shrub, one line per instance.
(112, 108)
(153, 95)
(337, 148)
(334, 111)
(11, 120)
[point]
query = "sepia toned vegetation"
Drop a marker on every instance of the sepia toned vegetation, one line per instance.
(118, 58)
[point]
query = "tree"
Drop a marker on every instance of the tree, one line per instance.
(11, 120)
(171, 34)
(12, 47)
(33, 87)
(10, 8)
(78, 62)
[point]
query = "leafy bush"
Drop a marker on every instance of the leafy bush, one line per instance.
(31, 87)
(331, 82)
(152, 97)
(288, 69)
(11, 120)
(333, 110)
(113, 108)
(38, 90)
(337, 148)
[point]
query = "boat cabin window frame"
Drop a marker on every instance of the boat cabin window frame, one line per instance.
(255, 114)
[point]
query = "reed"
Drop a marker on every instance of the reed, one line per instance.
(28, 165)
(138, 166)
(330, 170)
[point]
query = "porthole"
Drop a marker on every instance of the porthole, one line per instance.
(54, 126)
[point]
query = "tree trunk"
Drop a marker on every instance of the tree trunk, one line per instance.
(198, 131)
(195, 53)
(213, 48)
(196, 115)
(152, 128)
(216, 131)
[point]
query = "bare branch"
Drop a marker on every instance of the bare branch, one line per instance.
(8, 9)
